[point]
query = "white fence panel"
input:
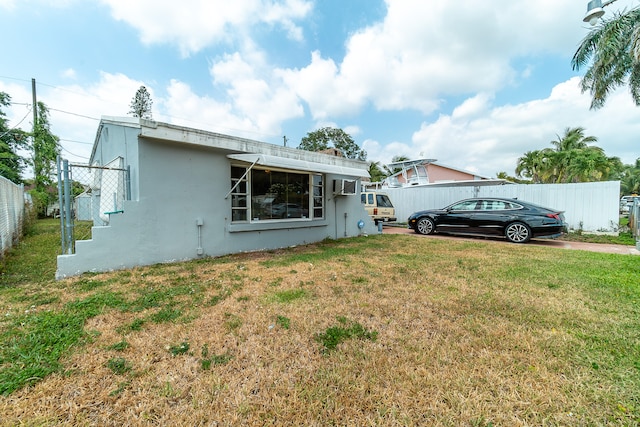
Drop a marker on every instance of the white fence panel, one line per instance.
(591, 206)
(11, 213)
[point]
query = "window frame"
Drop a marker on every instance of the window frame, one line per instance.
(316, 194)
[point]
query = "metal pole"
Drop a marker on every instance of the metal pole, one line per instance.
(128, 182)
(35, 103)
(63, 239)
(67, 208)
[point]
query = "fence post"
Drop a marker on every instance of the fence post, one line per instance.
(634, 221)
(63, 239)
(67, 208)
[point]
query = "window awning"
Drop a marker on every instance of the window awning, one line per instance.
(295, 164)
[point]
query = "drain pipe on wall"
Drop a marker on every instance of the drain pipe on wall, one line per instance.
(199, 224)
(345, 224)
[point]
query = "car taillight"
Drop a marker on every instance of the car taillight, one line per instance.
(375, 211)
(554, 216)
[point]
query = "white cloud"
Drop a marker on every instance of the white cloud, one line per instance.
(195, 24)
(256, 118)
(76, 110)
(8, 4)
(425, 50)
(256, 92)
(492, 138)
(69, 73)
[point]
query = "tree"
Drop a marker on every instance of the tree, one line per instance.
(531, 166)
(572, 160)
(376, 173)
(611, 53)
(630, 179)
(141, 104)
(11, 140)
(507, 177)
(46, 148)
(395, 159)
(325, 138)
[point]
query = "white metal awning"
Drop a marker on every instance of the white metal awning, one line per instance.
(302, 165)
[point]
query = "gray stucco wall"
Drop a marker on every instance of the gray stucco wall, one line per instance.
(178, 186)
(115, 140)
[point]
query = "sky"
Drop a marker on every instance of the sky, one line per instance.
(472, 84)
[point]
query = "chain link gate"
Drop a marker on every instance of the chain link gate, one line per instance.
(88, 196)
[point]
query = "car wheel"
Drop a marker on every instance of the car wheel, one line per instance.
(425, 226)
(517, 232)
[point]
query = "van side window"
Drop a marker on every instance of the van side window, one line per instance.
(370, 198)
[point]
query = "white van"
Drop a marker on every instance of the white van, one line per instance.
(378, 206)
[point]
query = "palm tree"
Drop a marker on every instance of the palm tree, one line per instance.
(395, 159)
(571, 160)
(630, 179)
(611, 53)
(573, 139)
(375, 172)
(530, 165)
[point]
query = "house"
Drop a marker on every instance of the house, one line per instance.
(430, 172)
(168, 193)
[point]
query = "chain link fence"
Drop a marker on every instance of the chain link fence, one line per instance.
(88, 196)
(12, 212)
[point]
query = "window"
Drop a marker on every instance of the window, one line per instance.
(366, 198)
(239, 194)
(383, 201)
(318, 196)
(265, 194)
(468, 205)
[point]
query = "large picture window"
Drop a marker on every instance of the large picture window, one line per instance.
(264, 194)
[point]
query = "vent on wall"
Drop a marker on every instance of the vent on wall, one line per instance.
(344, 187)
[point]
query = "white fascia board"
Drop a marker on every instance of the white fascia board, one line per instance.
(295, 164)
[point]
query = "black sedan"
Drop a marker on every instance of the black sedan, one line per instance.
(514, 219)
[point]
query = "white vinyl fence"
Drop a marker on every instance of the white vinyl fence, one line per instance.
(11, 213)
(590, 207)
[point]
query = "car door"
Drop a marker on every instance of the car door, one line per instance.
(457, 218)
(491, 217)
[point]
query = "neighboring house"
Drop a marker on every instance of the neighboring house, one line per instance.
(429, 172)
(191, 193)
(437, 172)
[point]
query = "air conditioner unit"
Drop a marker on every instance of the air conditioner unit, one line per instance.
(344, 187)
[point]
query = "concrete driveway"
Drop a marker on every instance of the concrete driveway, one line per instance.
(550, 243)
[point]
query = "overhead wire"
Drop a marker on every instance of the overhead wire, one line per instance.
(18, 124)
(169, 117)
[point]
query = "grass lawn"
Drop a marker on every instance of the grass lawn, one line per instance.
(379, 330)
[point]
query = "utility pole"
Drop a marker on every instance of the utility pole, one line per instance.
(36, 153)
(35, 104)
(285, 140)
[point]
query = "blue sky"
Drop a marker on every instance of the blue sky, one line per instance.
(472, 84)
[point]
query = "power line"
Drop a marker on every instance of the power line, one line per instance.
(73, 154)
(73, 114)
(18, 124)
(14, 78)
(169, 117)
(76, 142)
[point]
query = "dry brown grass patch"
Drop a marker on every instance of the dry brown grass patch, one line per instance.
(458, 343)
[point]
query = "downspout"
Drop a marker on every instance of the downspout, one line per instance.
(345, 223)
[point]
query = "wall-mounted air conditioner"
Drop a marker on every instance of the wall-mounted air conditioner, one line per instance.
(344, 187)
